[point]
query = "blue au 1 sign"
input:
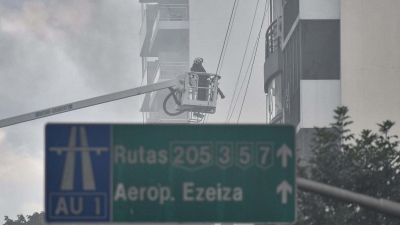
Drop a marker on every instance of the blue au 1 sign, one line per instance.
(78, 172)
(170, 173)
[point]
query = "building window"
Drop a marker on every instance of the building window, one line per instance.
(274, 100)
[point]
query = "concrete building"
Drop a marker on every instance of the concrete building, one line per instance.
(370, 62)
(302, 65)
(174, 32)
(324, 53)
(164, 41)
(167, 33)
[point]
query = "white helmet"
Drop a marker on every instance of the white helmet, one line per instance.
(198, 60)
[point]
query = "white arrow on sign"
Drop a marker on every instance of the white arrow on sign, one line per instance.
(284, 152)
(284, 188)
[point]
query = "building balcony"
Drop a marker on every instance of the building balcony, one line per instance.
(144, 42)
(273, 54)
(152, 117)
(161, 117)
(148, 1)
(170, 70)
(148, 15)
(170, 28)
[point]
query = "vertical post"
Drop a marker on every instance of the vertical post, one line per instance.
(270, 11)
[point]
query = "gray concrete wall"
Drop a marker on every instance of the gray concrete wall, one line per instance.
(370, 61)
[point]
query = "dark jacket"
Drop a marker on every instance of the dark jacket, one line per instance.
(203, 83)
(197, 68)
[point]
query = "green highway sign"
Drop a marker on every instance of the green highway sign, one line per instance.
(170, 173)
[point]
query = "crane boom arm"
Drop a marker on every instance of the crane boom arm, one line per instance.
(87, 102)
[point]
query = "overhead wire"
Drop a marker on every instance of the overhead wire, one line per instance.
(255, 53)
(227, 34)
(226, 41)
(241, 86)
(248, 81)
(241, 66)
(247, 71)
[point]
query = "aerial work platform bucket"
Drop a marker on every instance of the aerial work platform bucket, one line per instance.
(200, 92)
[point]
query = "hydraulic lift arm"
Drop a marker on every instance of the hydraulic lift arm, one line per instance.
(88, 102)
(183, 88)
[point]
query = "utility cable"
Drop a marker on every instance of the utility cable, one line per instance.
(226, 41)
(241, 66)
(227, 35)
(246, 74)
(241, 86)
(258, 39)
(248, 81)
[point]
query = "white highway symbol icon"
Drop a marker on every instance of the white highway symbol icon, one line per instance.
(68, 176)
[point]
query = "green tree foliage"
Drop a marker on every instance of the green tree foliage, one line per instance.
(368, 164)
(34, 219)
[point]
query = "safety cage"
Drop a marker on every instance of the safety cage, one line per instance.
(196, 93)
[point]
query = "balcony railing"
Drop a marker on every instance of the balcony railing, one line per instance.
(170, 70)
(153, 115)
(170, 13)
(272, 39)
(173, 12)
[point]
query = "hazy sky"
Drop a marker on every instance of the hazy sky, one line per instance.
(57, 52)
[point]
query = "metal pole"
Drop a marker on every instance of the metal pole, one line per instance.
(380, 205)
(270, 11)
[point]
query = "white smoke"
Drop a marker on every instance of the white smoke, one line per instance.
(49, 22)
(52, 53)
